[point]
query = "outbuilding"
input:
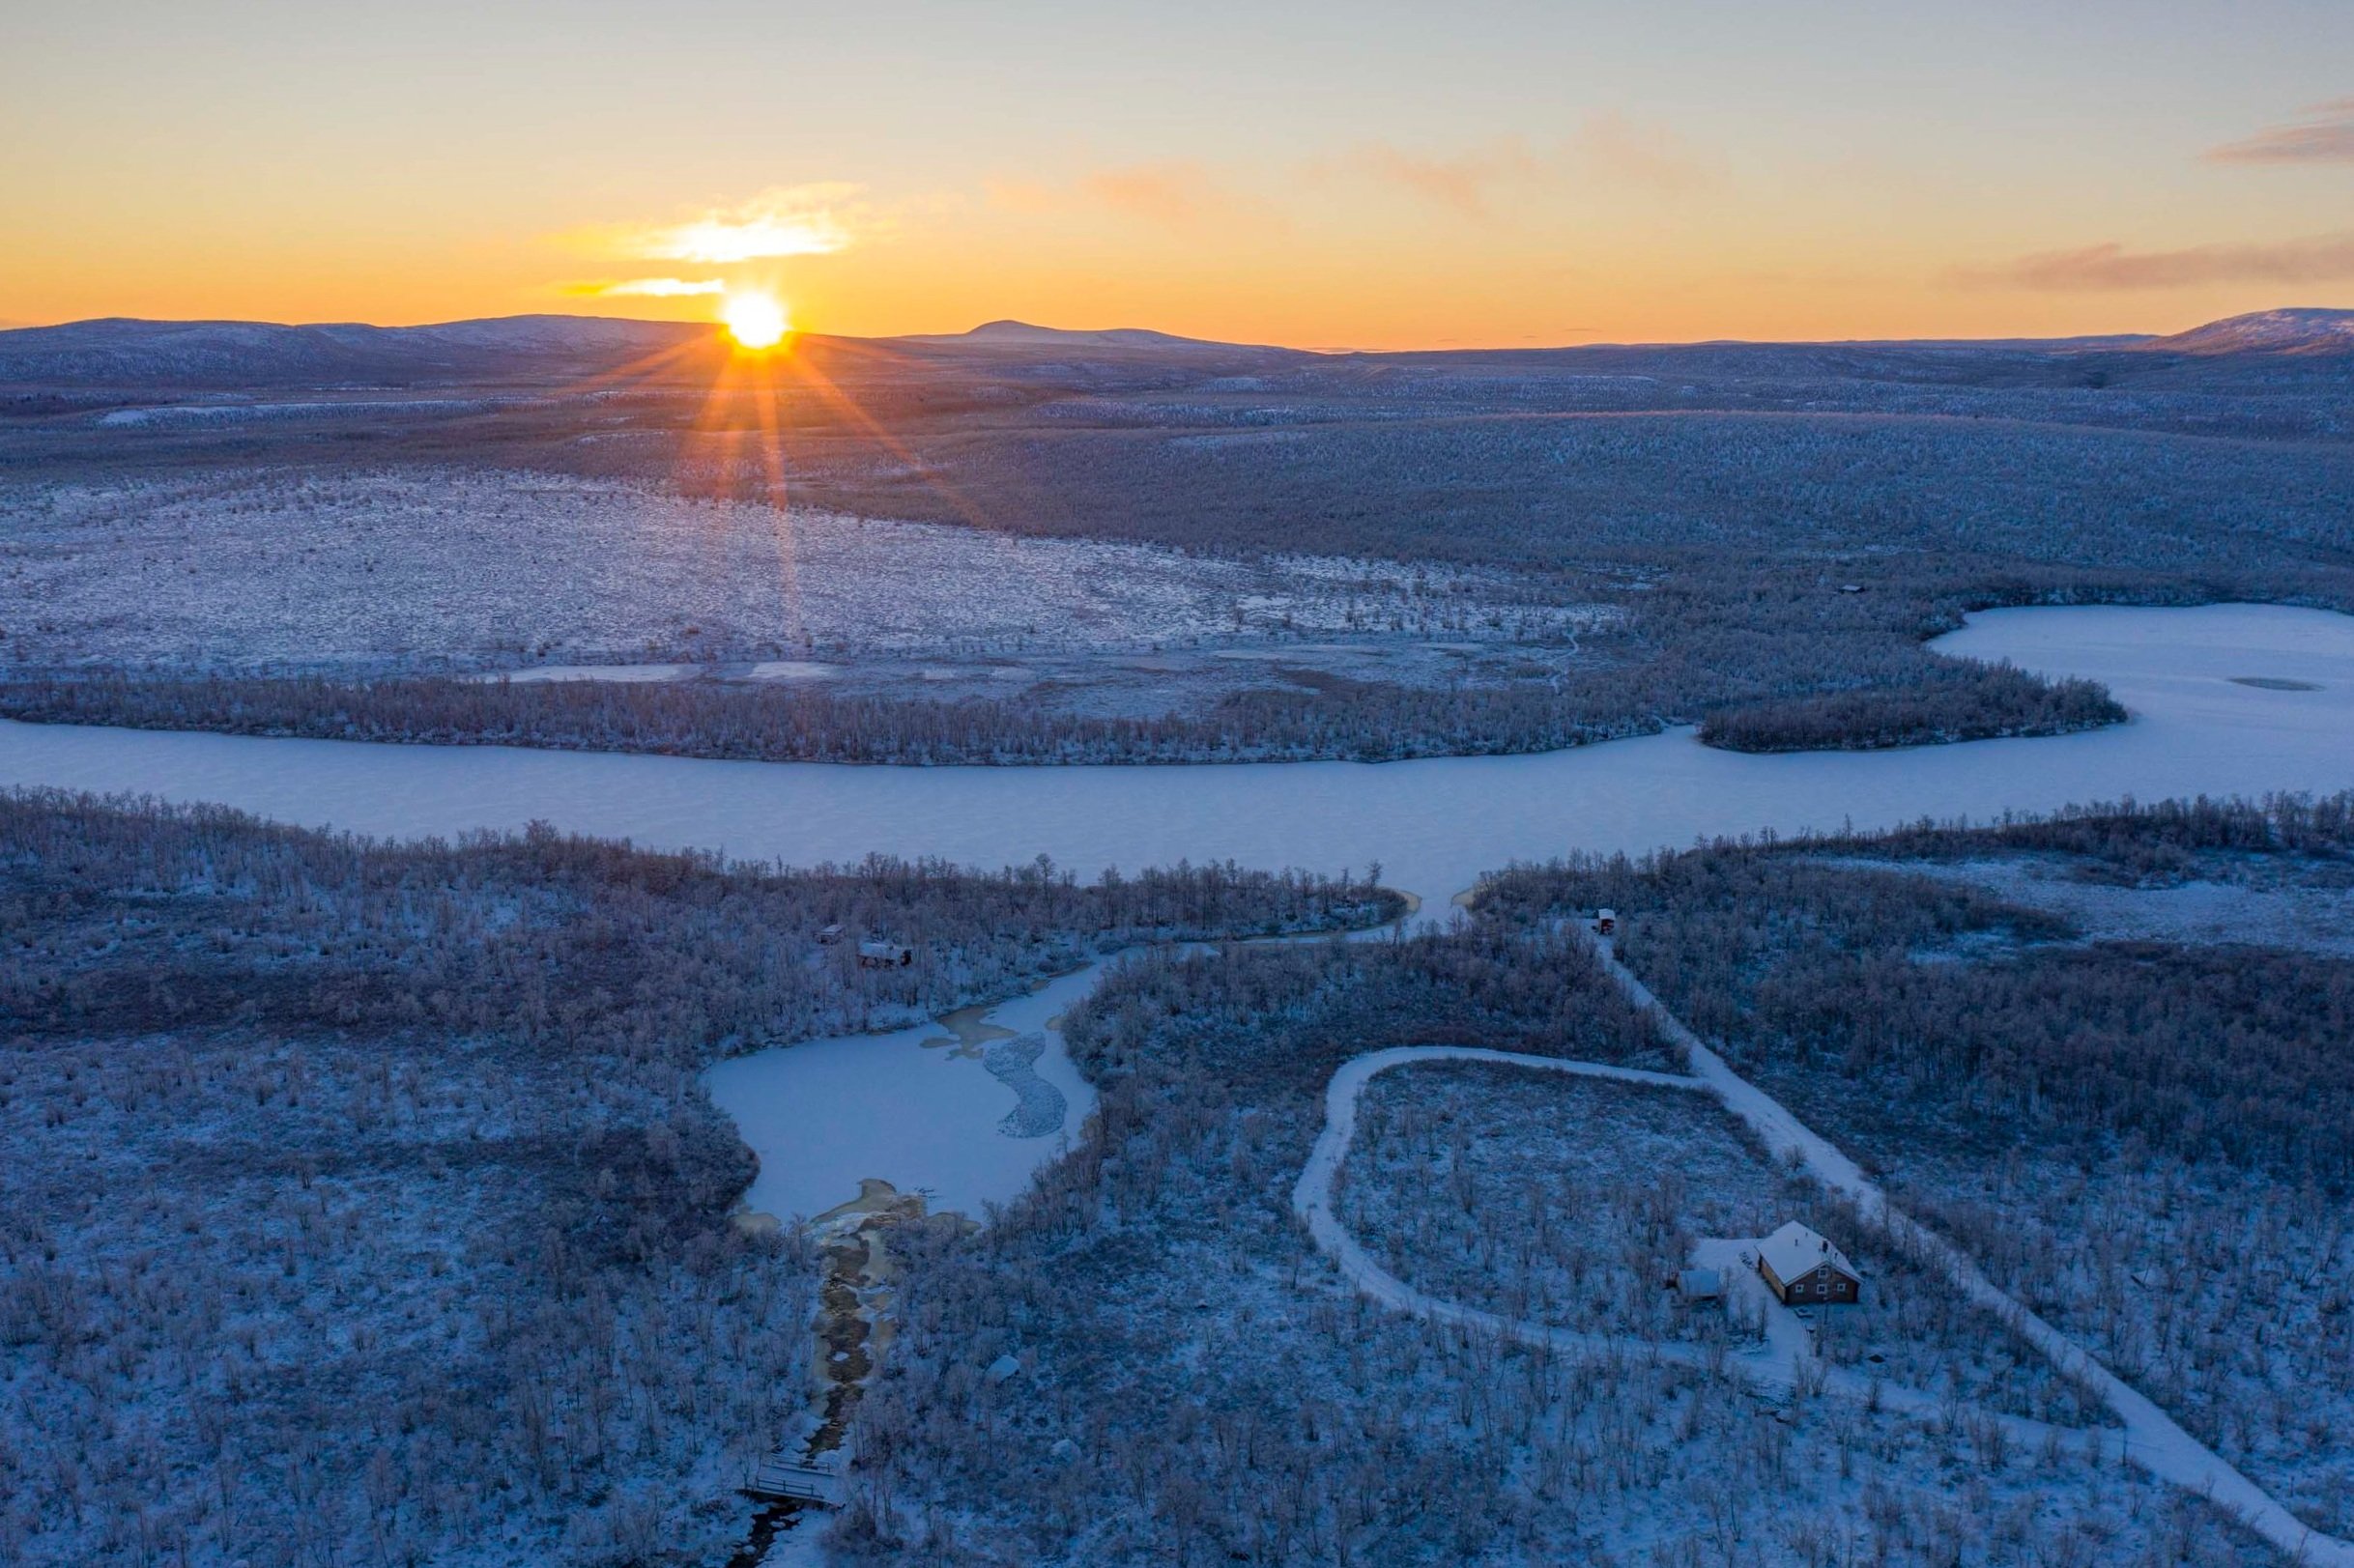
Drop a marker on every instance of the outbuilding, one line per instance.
(1699, 1284)
(885, 955)
(1803, 1268)
(1605, 923)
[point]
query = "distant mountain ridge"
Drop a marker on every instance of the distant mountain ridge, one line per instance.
(1011, 333)
(160, 355)
(118, 348)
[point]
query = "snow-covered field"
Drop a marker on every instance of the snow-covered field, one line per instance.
(465, 569)
(1435, 825)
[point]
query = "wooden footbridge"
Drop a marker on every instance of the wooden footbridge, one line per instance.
(782, 1479)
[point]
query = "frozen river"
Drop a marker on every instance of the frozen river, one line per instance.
(2198, 726)
(1434, 825)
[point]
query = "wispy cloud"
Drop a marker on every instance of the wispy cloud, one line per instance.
(1479, 182)
(1177, 193)
(2326, 135)
(782, 220)
(660, 288)
(1465, 182)
(2320, 258)
(1640, 152)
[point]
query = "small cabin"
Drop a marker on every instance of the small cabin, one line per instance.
(1606, 922)
(885, 955)
(1803, 1268)
(828, 935)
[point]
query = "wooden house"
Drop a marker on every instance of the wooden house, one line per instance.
(1605, 923)
(885, 955)
(828, 935)
(1803, 1268)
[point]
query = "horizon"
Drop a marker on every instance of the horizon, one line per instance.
(1508, 176)
(716, 327)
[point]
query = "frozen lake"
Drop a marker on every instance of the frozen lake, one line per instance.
(1434, 825)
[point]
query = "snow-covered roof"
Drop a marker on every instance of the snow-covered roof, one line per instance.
(1795, 1250)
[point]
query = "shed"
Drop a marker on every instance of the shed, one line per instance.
(1803, 1268)
(828, 935)
(1605, 922)
(885, 955)
(1699, 1284)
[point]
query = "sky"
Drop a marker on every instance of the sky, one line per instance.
(1366, 175)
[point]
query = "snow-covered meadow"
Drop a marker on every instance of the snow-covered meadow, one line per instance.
(482, 569)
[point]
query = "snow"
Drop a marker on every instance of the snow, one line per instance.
(254, 569)
(2255, 904)
(1793, 1249)
(1435, 825)
(627, 674)
(1778, 1366)
(906, 1108)
(2153, 1439)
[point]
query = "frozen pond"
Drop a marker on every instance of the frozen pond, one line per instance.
(909, 1106)
(825, 1113)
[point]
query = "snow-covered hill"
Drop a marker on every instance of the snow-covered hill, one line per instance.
(121, 351)
(1021, 334)
(2306, 331)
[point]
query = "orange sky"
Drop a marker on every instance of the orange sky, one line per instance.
(1377, 175)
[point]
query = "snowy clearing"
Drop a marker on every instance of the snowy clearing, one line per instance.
(461, 569)
(2251, 908)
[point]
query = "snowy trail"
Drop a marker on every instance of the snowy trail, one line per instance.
(1773, 1367)
(2152, 1438)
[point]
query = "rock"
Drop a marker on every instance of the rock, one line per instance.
(1002, 1368)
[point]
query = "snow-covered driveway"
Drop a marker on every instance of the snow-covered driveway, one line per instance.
(2151, 1438)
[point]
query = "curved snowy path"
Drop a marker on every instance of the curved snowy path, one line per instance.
(2150, 1439)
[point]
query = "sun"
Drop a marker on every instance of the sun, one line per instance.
(756, 321)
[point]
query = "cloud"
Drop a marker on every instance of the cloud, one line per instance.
(782, 220)
(660, 288)
(2326, 135)
(1607, 147)
(1174, 192)
(1463, 181)
(1636, 152)
(2319, 258)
